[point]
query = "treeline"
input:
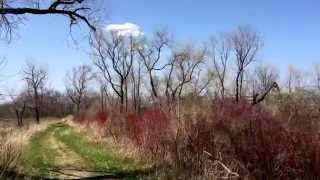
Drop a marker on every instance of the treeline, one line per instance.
(131, 72)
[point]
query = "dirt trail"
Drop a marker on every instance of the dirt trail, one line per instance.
(60, 152)
(66, 157)
(69, 162)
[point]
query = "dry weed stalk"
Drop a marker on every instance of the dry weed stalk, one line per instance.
(9, 155)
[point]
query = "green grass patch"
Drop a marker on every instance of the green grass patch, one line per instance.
(42, 154)
(38, 156)
(100, 159)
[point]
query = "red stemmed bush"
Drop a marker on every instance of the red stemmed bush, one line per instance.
(88, 118)
(149, 129)
(261, 143)
(252, 141)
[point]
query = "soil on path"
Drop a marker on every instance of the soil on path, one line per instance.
(60, 152)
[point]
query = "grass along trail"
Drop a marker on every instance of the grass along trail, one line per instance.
(61, 152)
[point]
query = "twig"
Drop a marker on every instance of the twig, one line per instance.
(229, 173)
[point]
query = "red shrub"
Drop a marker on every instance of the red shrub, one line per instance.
(101, 118)
(87, 118)
(80, 118)
(148, 129)
(134, 127)
(262, 145)
(250, 140)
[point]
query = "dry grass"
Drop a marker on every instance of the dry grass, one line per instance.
(21, 136)
(9, 155)
(12, 139)
(124, 146)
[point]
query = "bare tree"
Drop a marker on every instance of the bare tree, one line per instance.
(55, 104)
(183, 65)
(35, 78)
(114, 55)
(290, 78)
(266, 80)
(200, 83)
(12, 12)
(77, 84)
(246, 43)
(316, 75)
(103, 91)
(151, 53)
(220, 54)
(18, 106)
(136, 78)
(266, 75)
(294, 79)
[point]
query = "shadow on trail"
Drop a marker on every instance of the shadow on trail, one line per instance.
(130, 175)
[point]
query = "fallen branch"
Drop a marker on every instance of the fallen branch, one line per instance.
(229, 173)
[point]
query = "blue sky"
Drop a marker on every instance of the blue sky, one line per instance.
(290, 29)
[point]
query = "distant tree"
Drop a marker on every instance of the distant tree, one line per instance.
(266, 77)
(183, 65)
(136, 79)
(103, 91)
(220, 51)
(201, 81)
(114, 55)
(294, 79)
(56, 104)
(35, 77)
(151, 52)
(77, 82)
(316, 75)
(246, 43)
(19, 106)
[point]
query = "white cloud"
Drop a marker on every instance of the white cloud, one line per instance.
(125, 29)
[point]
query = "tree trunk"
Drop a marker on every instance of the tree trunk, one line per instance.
(121, 96)
(37, 111)
(37, 105)
(257, 99)
(78, 107)
(237, 86)
(138, 91)
(126, 95)
(241, 85)
(222, 90)
(102, 99)
(18, 118)
(121, 103)
(154, 91)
